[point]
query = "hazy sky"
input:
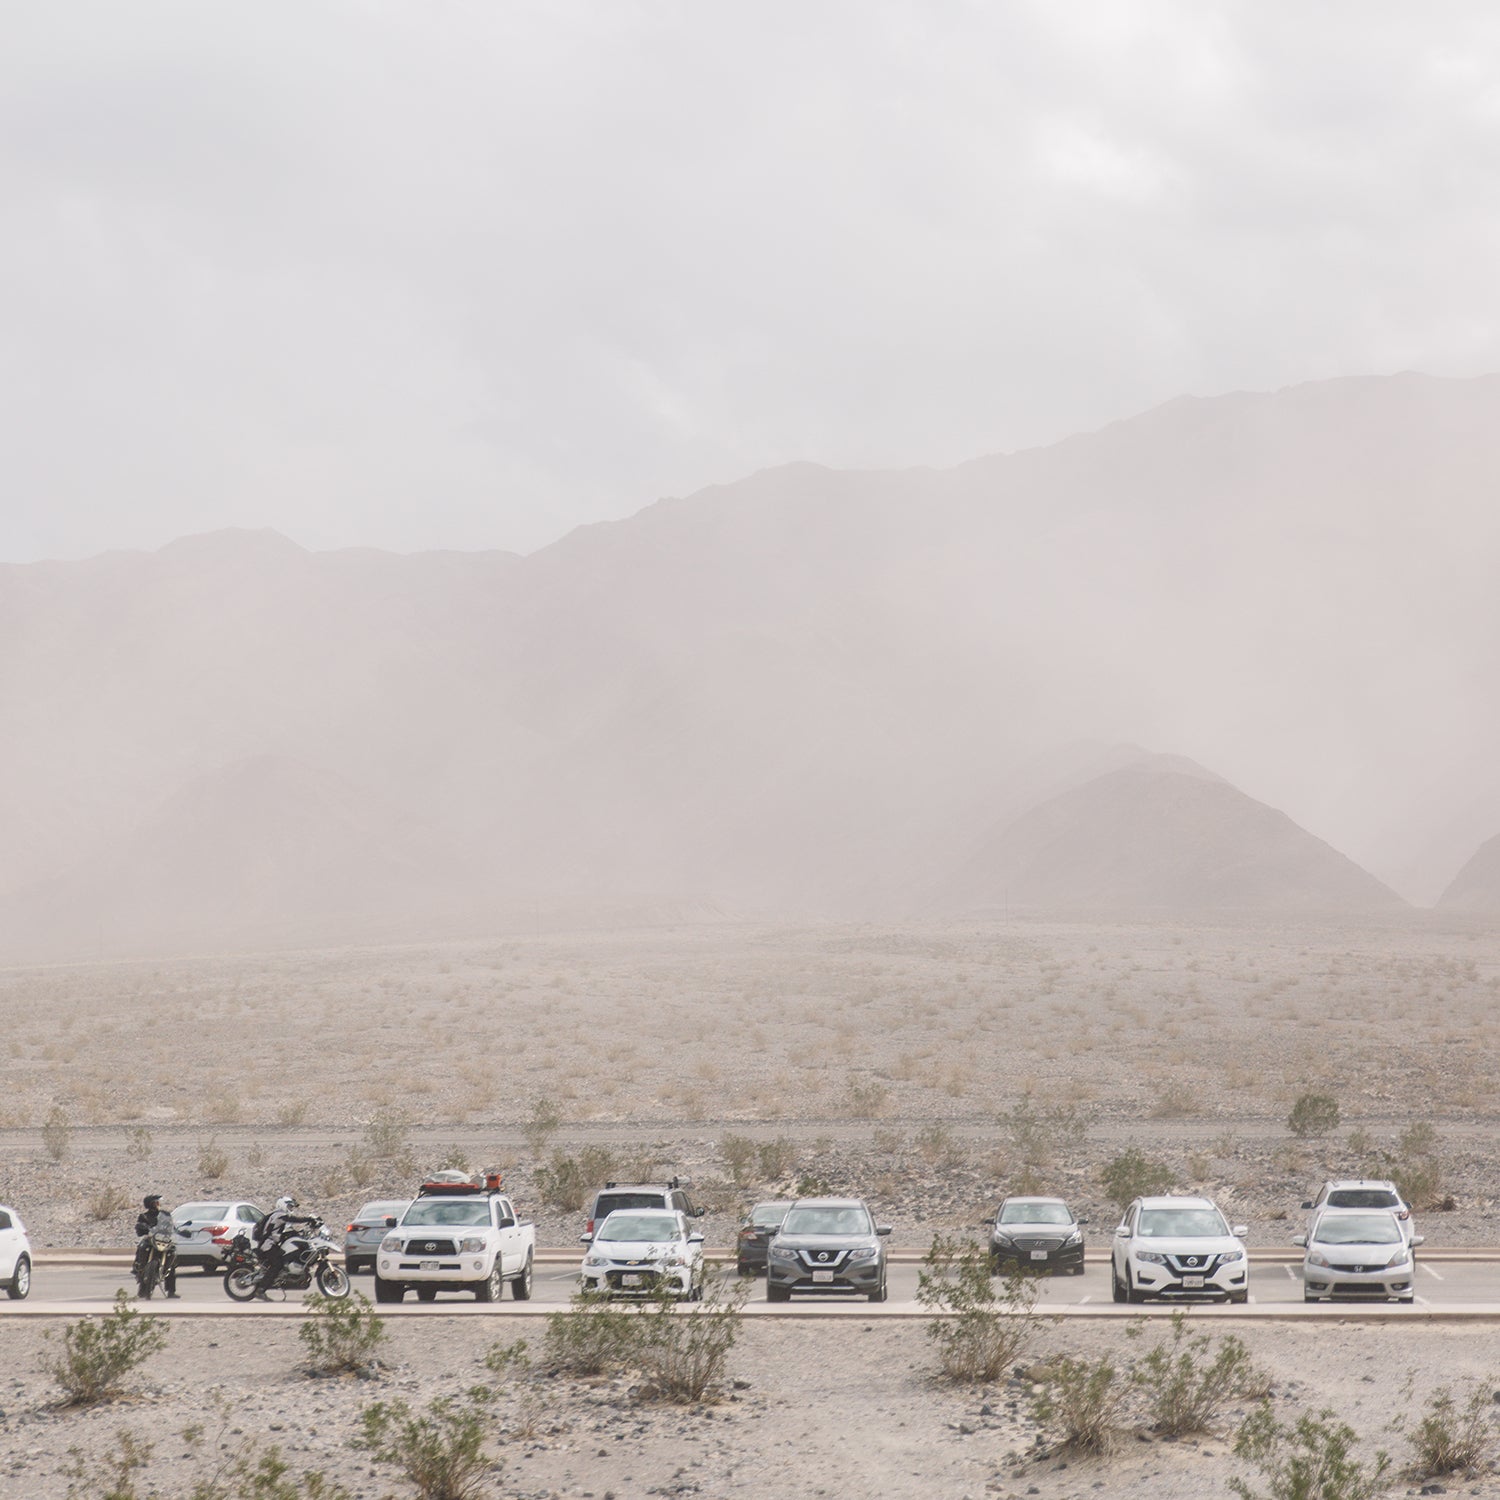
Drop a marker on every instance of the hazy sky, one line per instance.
(464, 273)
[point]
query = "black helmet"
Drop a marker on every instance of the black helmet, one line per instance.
(152, 1200)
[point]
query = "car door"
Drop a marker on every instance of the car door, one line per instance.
(10, 1245)
(505, 1224)
(1123, 1236)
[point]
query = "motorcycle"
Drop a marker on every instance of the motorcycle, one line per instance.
(160, 1247)
(304, 1264)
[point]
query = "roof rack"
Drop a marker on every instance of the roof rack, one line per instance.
(456, 1185)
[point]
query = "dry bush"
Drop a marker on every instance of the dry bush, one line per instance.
(1453, 1437)
(1082, 1402)
(108, 1202)
(981, 1329)
(213, 1160)
(98, 1353)
(1186, 1389)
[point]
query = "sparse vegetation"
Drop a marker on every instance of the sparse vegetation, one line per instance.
(341, 1334)
(99, 1353)
(1316, 1458)
(213, 1160)
(540, 1126)
(1313, 1115)
(1081, 1402)
(439, 1451)
(567, 1182)
(1187, 1381)
(595, 1336)
(985, 1327)
(57, 1133)
(138, 1144)
(1132, 1175)
(684, 1351)
(108, 1202)
(1454, 1436)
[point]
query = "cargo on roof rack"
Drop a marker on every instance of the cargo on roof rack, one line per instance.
(456, 1185)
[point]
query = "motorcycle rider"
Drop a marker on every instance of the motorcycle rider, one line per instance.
(150, 1215)
(271, 1235)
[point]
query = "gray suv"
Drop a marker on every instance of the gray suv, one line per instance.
(827, 1245)
(618, 1195)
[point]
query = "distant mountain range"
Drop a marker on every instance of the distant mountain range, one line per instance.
(808, 693)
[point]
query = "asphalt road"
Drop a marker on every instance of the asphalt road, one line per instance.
(1459, 1287)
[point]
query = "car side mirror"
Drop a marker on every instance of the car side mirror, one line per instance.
(390, 1223)
(1418, 1239)
(1307, 1205)
(1299, 1239)
(695, 1239)
(1080, 1221)
(585, 1239)
(1240, 1231)
(882, 1230)
(1123, 1231)
(507, 1224)
(698, 1213)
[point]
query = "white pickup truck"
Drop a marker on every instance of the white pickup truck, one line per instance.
(456, 1236)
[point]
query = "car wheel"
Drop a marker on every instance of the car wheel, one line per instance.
(1311, 1297)
(426, 1294)
(388, 1291)
(1134, 1294)
(878, 1295)
(1116, 1286)
(743, 1270)
(520, 1288)
(1408, 1299)
(18, 1288)
(775, 1293)
(1078, 1269)
(490, 1289)
(1240, 1298)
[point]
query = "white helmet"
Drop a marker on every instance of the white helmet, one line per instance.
(287, 1204)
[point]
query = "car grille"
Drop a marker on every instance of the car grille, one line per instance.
(823, 1260)
(1193, 1265)
(645, 1280)
(1048, 1245)
(431, 1247)
(1364, 1270)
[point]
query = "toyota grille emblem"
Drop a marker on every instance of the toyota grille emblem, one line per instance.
(429, 1246)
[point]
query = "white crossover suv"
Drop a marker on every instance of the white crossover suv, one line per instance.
(1176, 1248)
(15, 1255)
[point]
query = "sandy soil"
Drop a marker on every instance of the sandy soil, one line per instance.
(821, 1410)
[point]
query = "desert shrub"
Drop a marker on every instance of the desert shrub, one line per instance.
(1173, 1101)
(1132, 1175)
(138, 1144)
(540, 1126)
(98, 1353)
(292, 1113)
(112, 1475)
(1081, 1402)
(386, 1139)
(1036, 1135)
(452, 1158)
(505, 1360)
(684, 1351)
(254, 1473)
(213, 1160)
(983, 1327)
(1317, 1458)
(255, 1156)
(935, 1143)
(1453, 1437)
(739, 1155)
(777, 1158)
(1313, 1114)
(593, 1337)
(865, 1099)
(439, 1451)
(107, 1202)
(341, 1334)
(57, 1133)
(1360, 1142)
(1185, 1388)
(567, 1182)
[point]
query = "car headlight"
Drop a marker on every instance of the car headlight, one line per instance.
(471, 1246)
(1004, 1240)
(1317, 1258)
(1230, 1255)
(1075, 1238)
(868, 1253)
(595, 1260)
(391, 1245)
(1401, 1257)
(777, 1253)
(1151, 1257)
(671, 1258)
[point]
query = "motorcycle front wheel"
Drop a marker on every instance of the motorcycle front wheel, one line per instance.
(333, 1281)
(242, 1284)
(146, 1282)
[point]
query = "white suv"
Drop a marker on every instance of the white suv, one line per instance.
(1368, 1193)
(1178, 1247)
(456, 1237)
(15, 1255)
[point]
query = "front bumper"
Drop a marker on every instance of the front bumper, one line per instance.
(848, 1281)
(1029, 1258)
(1150, 1280)
(636, 1279)
(427, 1271)
(1346, 1281)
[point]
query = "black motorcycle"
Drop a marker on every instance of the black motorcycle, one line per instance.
(151, 1269)
(304, 1264)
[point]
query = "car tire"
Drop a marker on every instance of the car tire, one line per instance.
(388, 1291)
(1240, 1299)
(1134, 1294)
(743, 1270)
(879, 1294)
(1078, 1269)
(492, 1287)
(1116, 1286)
(426, 1294)
(18, 1288)
(775, 1293)
(520, 1288)
(1311, 1297)
(1407, 1300)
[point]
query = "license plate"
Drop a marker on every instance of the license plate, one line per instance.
(427, 1265)
(822, 1277)
(630, 1280)
(1192, 1283)
(1038, 1255)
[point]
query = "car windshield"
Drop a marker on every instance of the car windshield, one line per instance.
(826, 1221)
(606, 1203)
(655, 1229)
(1358, 1229)
(1363, 1198)
(193, 1211)
(448, 1213)
(1035, 1213)
(1182, 1223)
(768, 1215)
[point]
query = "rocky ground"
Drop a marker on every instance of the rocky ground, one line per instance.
(815, 1409)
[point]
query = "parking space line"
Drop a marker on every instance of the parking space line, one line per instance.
(1291, 1275)
(1082, 1300)
(1436, 1275)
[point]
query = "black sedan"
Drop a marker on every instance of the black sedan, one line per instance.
(1035, 1234)
(755, 1234)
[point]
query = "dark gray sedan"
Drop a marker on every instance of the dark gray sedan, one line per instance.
(367, 1229)
(1035, 1234)
(761, 1223)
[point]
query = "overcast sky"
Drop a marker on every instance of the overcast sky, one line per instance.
(466, 273)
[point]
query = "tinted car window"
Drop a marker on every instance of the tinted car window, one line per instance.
(4, 1219)
(827, 1221)
(1035, 1213)
(1186, 1223)
(607, 1203)
(1358, 1229)
(1363, 1198)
